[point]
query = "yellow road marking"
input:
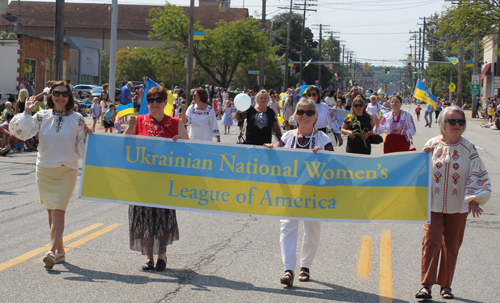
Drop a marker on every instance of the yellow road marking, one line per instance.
(43, 249)
(90, 237)
(365, 258)
(385, 279)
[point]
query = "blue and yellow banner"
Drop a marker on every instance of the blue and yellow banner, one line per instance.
(255, 181)
(422, 93)
(124, 110)
(198, 35)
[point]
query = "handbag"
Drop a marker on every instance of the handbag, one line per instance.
(375, 139)
(242, 137)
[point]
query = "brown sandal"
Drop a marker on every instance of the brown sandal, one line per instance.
(287, 278)
(304, 275)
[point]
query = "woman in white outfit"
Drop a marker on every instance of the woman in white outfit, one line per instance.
(201, 116)
(306, 136)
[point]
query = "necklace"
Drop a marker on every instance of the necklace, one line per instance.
(60, 113)
(305, 144)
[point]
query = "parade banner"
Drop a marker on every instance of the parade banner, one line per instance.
(256, 181)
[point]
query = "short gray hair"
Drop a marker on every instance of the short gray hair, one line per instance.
(446, 110)
(130, 83)
(309, 104)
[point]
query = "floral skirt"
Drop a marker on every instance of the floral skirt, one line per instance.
(152, 229)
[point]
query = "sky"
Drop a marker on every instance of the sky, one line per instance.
(376, 30)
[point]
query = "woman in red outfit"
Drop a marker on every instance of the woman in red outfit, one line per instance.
(152, 229)
(399, 126)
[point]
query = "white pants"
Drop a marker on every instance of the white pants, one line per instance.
(288, 241)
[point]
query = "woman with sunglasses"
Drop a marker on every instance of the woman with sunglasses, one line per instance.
(152, 229)
(358, 127)
(201, 117)
(261, 121)
(326, 115)
(460, 184)
(306, 136)
(62, 134)
(399, 126)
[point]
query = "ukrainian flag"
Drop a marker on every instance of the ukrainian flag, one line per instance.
(144, 103)
(198, 35)
(308, 62)
(422, 93)
(124, 110)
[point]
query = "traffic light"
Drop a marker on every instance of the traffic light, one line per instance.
(409, 65)
(415, 71)
(390, 82)
(388, 70)
(385, 70)
(402, 83)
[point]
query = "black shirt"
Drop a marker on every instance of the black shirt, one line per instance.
(259, 127)
(357, 145)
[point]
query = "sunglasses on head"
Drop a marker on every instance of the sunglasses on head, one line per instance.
(358, 105)
(308, 112)
(312, 94)
(57, 93)
(157, 100)
(452, 122)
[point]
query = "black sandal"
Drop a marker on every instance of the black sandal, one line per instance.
(287, 278)
(446, 294)
(304, 274)
(424, 294)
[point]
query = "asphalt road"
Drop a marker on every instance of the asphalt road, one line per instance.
(223, 258)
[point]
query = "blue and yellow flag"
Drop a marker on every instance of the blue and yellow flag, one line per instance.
(198, 35)
(422, 93)
(124, 110)
(308, 62)
(144, 103)
(452, 60)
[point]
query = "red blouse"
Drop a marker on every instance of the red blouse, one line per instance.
(146, 126)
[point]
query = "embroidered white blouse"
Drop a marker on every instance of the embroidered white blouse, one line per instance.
(203, 123)
(458, 176)
(62, 139)
(326, 117)
(392, 125)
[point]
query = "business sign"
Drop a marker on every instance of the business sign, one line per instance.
(256, 181)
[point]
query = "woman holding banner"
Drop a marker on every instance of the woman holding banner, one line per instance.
(152, 229)
(357, 127)
(460, 185)
(201, 116)
(62, 143)
(326, 115)
(399, 126)
(306, 136)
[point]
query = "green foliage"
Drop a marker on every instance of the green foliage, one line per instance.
(135, 63)
(222, 51)
(470, 19)
(104, 67)
(8, 36)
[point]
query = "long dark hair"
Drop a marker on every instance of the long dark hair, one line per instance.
(315, 88)
(71, 102)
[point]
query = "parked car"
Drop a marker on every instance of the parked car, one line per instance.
(84, 88)
(96, 92)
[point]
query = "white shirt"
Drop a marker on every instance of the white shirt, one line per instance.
(373, 109)
(203, 123)
(330, 101)
(62, 141)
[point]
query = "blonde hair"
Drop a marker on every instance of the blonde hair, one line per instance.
(95, 100)
(309, 104)
(23, 95)
(262, 92)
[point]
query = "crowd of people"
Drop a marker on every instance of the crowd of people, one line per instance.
(52, 124)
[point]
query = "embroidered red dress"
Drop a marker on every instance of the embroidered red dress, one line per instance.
(152, 229)
(393, 125)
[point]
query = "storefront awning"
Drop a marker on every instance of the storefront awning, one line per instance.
(485, 71)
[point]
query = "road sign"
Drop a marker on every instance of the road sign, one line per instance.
(452, 87)
(496, 82)
(475, 89)
(475, 79)
(253, 72)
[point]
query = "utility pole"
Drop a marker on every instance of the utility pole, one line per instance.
(423, 43)
(190, 54)
(59, 41)
(474, 73)
(305, 5)
(285, 84)
(261, 71)
(112, 50)
(320, 41)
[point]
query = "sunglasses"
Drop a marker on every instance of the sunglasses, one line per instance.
(313, 95)
(57, 93)
(453, 122)
(308, 112)
(157, 100)
(195, 95)
(358, 105)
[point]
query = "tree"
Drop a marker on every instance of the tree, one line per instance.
(104, 67)
(223, 49)
(134, 64)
